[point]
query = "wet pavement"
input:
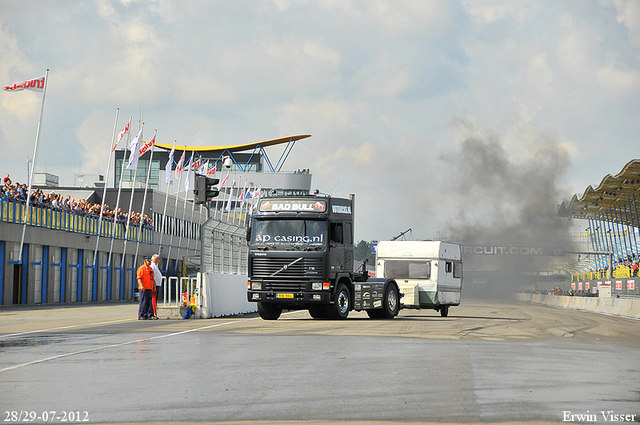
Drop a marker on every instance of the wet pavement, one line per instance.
(485, 362)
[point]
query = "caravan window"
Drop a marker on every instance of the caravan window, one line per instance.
(407, 269)
(457, 269)
(448, 266)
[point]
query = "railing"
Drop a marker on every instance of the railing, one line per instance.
(178, 291)
(12, 211)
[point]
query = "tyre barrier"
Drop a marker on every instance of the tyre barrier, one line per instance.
(623, 307)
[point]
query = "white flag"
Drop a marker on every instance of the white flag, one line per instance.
(211, 172)
(228, 207)
(180, 164)
(203, 168)
(145, 147)
(124, 131)
(36, 84)
(134, 147)
(188, 170)
(167, 168)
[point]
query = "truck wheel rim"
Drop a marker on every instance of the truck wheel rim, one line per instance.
(343, 302)
(392, 300)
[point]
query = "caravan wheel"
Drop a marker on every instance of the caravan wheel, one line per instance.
(444, 311)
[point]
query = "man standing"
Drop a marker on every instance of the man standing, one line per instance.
(146, 283)
(157, 277)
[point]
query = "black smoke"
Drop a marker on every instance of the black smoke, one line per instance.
(508, 200)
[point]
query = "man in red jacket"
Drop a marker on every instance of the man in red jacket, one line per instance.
(144, 276)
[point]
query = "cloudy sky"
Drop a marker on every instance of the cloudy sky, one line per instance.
(423, 109)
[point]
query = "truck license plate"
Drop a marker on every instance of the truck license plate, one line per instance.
(284, 296)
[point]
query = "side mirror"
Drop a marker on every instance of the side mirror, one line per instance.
(248, 235)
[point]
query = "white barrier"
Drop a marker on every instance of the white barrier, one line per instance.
(224, 295)
(624, 307)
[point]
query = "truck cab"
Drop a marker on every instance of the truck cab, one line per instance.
(301, 257)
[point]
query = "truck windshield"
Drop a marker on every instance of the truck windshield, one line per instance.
(289, 232)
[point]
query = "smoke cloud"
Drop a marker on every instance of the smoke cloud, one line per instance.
(503, 200)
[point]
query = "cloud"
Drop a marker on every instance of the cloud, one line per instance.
(378, 85)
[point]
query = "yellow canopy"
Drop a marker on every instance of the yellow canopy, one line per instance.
(236, 148)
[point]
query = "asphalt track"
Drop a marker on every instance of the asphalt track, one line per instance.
(487, 362)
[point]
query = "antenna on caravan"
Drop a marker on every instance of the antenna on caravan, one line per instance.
(402, 234)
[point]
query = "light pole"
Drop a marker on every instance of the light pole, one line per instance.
(29, 161)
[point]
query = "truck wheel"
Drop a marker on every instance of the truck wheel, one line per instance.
(269, 311)
(444, 311)
(340, 307)
(317, 312)
(391, 302)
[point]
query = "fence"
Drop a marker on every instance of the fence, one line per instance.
(179, 291)
(12, 211)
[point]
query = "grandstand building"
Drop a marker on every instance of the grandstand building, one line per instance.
(612, 233)
(56, 255)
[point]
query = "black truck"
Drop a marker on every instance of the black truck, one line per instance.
(301, 258)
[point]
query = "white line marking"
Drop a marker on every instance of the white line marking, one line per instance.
(104, 347)
(66, 327)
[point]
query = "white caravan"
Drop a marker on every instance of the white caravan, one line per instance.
(429, 273)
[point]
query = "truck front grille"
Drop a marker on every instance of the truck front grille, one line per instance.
(292, 278)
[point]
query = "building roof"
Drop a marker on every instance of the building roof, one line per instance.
(615, 199)
(236, 148)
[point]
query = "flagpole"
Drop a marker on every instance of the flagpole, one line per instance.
(33, 169)
(164, 212)
(224, 182)
(133, 188)
(184, 207)
(193, 211)
(144, 199)
(217, 197)
(175, 207)
(104, 191)
(115, 211)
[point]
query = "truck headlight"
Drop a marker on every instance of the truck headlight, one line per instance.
(256, 286)
(316, 286)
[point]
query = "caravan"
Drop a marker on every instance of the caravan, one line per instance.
(429, 273)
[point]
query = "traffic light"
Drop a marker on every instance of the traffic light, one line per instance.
(205, 189)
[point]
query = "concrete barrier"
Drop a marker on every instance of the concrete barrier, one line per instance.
(623, 307)
(225, 295)
(635, 309)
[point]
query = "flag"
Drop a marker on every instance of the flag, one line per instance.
(188, 169)
(36, 84)
(121, 135)
(212, 172)
(135, 152)
(180, 164)
(203, 168)
(188, 166)
(244, 188)
(167, 168)
(147, 145)
(224, 181)
(228, 207)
